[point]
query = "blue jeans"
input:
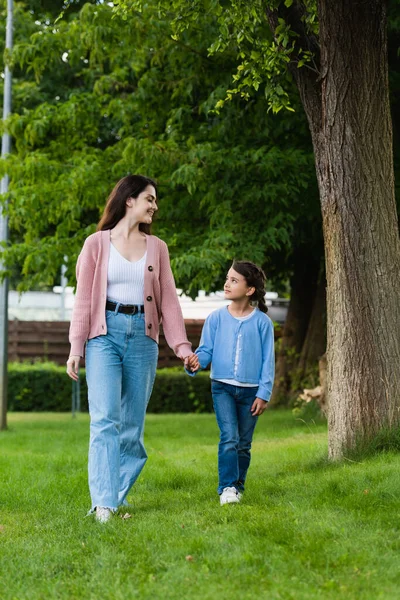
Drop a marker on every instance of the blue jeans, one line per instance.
(120, 372)
(236, 424)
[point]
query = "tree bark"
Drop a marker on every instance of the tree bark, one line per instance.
(303, 285)
(355, 172)
(348, 111)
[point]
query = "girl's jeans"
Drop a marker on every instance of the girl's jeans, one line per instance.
(232, 406)
(120, 372)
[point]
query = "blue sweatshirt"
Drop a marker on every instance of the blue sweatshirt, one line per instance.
(255, 362)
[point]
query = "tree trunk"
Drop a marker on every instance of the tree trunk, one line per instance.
(347, 106)
(353, 152)
(302, 292)
(314, 345)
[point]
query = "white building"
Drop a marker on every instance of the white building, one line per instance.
(57, 305)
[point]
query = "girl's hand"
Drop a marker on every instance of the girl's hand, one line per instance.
(73, 367)
(258, 407)
(192, 363)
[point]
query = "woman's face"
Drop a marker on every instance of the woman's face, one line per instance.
(144, 206)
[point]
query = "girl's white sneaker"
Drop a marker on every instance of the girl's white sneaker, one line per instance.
(103, 514)
(229, 496)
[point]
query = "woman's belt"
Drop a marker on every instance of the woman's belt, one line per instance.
(126, 309)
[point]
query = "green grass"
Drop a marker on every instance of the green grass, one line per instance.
(305, 528)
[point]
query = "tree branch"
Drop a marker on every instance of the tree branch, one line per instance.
(307, 80)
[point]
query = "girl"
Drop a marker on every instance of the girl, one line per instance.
(238, 340)
(124, 288)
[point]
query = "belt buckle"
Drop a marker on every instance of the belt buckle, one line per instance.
(134, 310)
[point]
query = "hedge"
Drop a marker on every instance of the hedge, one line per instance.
(46, 387)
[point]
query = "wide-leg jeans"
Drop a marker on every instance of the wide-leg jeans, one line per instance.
(120, 372)
(236, 424)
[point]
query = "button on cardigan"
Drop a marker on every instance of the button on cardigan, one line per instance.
(161, 304)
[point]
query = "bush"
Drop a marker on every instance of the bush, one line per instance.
(299, 380)
(174, 391)
(307, 411)
(46, 387)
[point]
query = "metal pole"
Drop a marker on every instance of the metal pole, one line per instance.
(63, 284)
(78, 396)
(5, 149)
(73, 407)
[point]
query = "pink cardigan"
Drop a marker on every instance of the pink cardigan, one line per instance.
(160, 297)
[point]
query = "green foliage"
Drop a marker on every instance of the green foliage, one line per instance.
(174, 391)
(46, 387)
(300, 379)
(104, 91)
(263, 55)
(98, 95)
(41, 386)
(309, 412)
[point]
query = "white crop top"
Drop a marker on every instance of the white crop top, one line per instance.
(125, 279)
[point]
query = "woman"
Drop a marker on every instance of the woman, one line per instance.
(125, 287)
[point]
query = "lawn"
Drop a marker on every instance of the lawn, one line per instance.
(305, 528)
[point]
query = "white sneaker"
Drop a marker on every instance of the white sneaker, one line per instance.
(103, 514)
(229, 496)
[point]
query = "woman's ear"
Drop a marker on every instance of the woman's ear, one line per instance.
(129, 202)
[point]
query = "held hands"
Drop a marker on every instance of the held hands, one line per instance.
(258, 407)
(192, 363)
(73, 367)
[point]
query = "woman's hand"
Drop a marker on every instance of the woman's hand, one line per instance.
(73, 367)
(192, 363)
(258, 407)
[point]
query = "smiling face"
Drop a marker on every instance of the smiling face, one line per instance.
(236, 287)
(144, 206)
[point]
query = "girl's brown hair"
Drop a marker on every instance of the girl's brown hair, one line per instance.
(127, 187)
(255, 277)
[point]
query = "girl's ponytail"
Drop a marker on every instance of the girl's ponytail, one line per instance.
(255, 277)
(260, 298)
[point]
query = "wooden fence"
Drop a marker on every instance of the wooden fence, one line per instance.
(48, 340)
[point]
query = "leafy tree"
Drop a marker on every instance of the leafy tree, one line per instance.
(30, 20)
(244, 177)
(336, 52)
(112, 96)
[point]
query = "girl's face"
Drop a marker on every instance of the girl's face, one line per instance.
(236, 287)
(144, 206)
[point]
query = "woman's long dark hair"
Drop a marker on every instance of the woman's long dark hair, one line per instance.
(255, 277)
(127, 187)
